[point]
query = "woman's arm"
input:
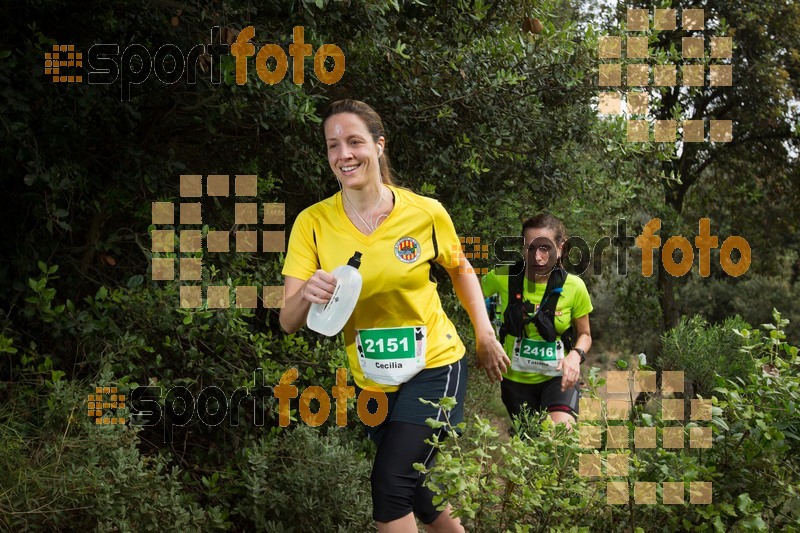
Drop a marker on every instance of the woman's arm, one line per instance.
(571, 364)
(491, 356)
(299, 295)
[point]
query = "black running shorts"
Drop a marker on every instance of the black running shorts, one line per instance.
(545, 396)
(397, 487)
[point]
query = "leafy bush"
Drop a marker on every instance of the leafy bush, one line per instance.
(627, 315)
(76, 476)
(131, 336)
(751, 297)
(502, 486)
(702, 351)
(532, 482)
(307, 481)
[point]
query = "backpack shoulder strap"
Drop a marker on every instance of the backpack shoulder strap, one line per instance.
(513, 316)
(516, 280)
(555, 284)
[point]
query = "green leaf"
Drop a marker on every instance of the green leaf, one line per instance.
(743, 502)
(622, 364)
(448, 403)
(435, 424)
(6, 345)
(727, 509)
(754, 523)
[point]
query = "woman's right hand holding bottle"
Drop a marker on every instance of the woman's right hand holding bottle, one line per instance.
(319, 288)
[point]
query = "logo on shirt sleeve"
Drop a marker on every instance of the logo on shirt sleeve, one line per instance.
(407, 249)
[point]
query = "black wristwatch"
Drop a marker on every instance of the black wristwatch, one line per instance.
(581, 353)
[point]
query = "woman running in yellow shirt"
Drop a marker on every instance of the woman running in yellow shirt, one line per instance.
(398, 338)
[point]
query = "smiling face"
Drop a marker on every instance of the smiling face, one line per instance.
(541, 251)
(352, 153)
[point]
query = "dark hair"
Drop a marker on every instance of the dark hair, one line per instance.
(545, 220)
(372, 120)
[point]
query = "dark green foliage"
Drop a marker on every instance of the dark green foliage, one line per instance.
(491, 121)
(627, 315)
(703, 351)
(307, 481)
(532, 482)
(68, 475)
(749, 184)
(749, 297)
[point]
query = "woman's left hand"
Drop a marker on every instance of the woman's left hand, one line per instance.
(491, 356)
(571, 368)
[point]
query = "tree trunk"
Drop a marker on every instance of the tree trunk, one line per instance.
(666, 297)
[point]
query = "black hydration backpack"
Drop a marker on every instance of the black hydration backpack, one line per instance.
(519, 313)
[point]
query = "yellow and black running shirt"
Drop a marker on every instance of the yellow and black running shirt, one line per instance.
(398, 288)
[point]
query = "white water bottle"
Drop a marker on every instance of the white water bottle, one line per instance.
(329, 318)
